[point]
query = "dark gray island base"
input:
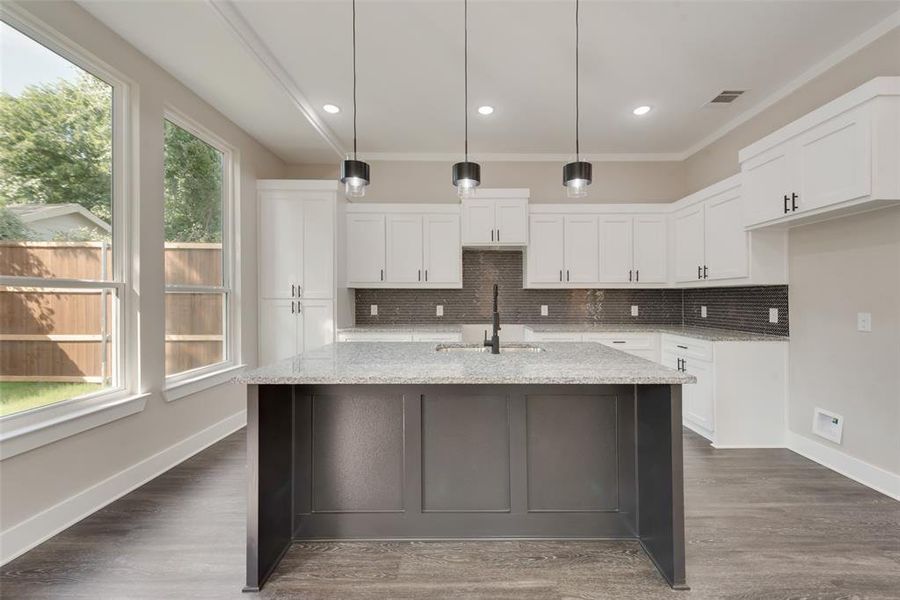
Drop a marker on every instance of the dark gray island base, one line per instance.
(464, 461)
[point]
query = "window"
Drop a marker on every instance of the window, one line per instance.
(62, 273)
(197, 251)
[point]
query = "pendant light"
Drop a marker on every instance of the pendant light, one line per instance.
(466, 175)
(577, 175)
(354, 173)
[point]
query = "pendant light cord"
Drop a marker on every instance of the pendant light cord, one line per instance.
(577, 142)
(466, 73)
(354, 79)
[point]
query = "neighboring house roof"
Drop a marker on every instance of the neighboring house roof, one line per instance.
(34, 213)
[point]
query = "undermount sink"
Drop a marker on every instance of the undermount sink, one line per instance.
(486, 349)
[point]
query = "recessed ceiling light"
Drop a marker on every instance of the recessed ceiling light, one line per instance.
(485, 110)
(331, 109)
(641, 110)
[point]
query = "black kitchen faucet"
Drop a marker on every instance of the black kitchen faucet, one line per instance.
(494, 342)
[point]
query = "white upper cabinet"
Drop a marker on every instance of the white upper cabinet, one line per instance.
(726, 244)
(404, 249)
(280, 264)
(688, 229)
(396, 246)
(616, 246)
(318, 242)
(651, 251)
(582, 249)
(365, 249)
(442, 259)
(547, 250)
(839, 159)
(495, 217)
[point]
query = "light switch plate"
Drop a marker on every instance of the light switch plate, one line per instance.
(439, 311)
(634, 310)
(373, 310)
(544, 310)
(864, 322)
(773, 315)
(703, 312)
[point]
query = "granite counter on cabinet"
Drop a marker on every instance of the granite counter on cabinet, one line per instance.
(396, 440)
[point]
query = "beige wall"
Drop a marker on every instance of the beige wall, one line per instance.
(719, 160)
(839, 268)
(41, 478)
(421, 181)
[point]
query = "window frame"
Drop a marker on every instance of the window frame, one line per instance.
(188, 382)
(28, 429)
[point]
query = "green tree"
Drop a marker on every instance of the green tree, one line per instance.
(56, 145)
(193, 188)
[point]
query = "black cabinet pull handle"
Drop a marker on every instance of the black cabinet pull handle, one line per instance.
(680, 346)
(292, 289)
(699, 272)
(492, 231)
(786, 209)
(382, 274)
(292, 307)
(629, 274)
(498, 234)
(793, 202)
(426, 274)
(567, 274)
(420, 274)
(560, 274)
(618, 341)
(705, 272)
(637, 275)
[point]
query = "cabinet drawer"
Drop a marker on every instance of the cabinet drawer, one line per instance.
(555, 336)
(627, 341)
(437, 336)
(685, 346)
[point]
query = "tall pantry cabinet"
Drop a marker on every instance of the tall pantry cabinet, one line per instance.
(296, 266)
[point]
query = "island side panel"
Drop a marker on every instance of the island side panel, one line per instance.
(270, 439)
(660, 479)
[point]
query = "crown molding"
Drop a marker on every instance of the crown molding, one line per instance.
(517, 157)
(251, 41)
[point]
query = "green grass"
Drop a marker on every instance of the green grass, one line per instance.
(16, 396)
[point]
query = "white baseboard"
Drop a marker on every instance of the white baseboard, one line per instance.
(860, 471)
(24, 536)
(698, 430)
(746, 446)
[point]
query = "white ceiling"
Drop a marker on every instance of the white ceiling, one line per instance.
(271, 65)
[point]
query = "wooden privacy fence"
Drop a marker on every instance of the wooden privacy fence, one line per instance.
(64, 334)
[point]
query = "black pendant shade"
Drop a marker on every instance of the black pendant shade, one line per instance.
(579, 170)
(467, 173)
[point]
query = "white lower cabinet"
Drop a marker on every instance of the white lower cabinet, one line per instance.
(289, 327)
(739, 398)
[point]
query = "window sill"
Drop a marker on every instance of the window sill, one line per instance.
(26, 431)
(176, 390)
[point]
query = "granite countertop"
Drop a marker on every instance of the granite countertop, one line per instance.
(419, 363)
(703, 333)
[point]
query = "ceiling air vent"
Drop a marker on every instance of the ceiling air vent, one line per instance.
(727, 97)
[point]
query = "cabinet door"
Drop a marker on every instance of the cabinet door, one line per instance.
(582, 249)
(511, 222)
(835, 161)
(280, 244)
(651, 252)
(318, 246)
(278, 330)
(404, 249)
(478, 222)
(726, 240)
(699, 407)
(767, 178)
(365, 249)
(316, 322)
(442, 249)
(616, 250)
(546, 252)
(688, 229)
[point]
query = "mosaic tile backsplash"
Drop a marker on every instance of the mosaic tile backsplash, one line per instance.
(743, 309)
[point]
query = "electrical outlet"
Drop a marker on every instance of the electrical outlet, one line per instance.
(439, 311)
(544, 310)
(703, 312)
(864, 322)
(373, 310)
(634, 310)
(773, 315)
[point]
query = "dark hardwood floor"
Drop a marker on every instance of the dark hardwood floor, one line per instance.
(761, 524)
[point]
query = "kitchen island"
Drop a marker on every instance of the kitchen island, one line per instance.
(430, 441)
